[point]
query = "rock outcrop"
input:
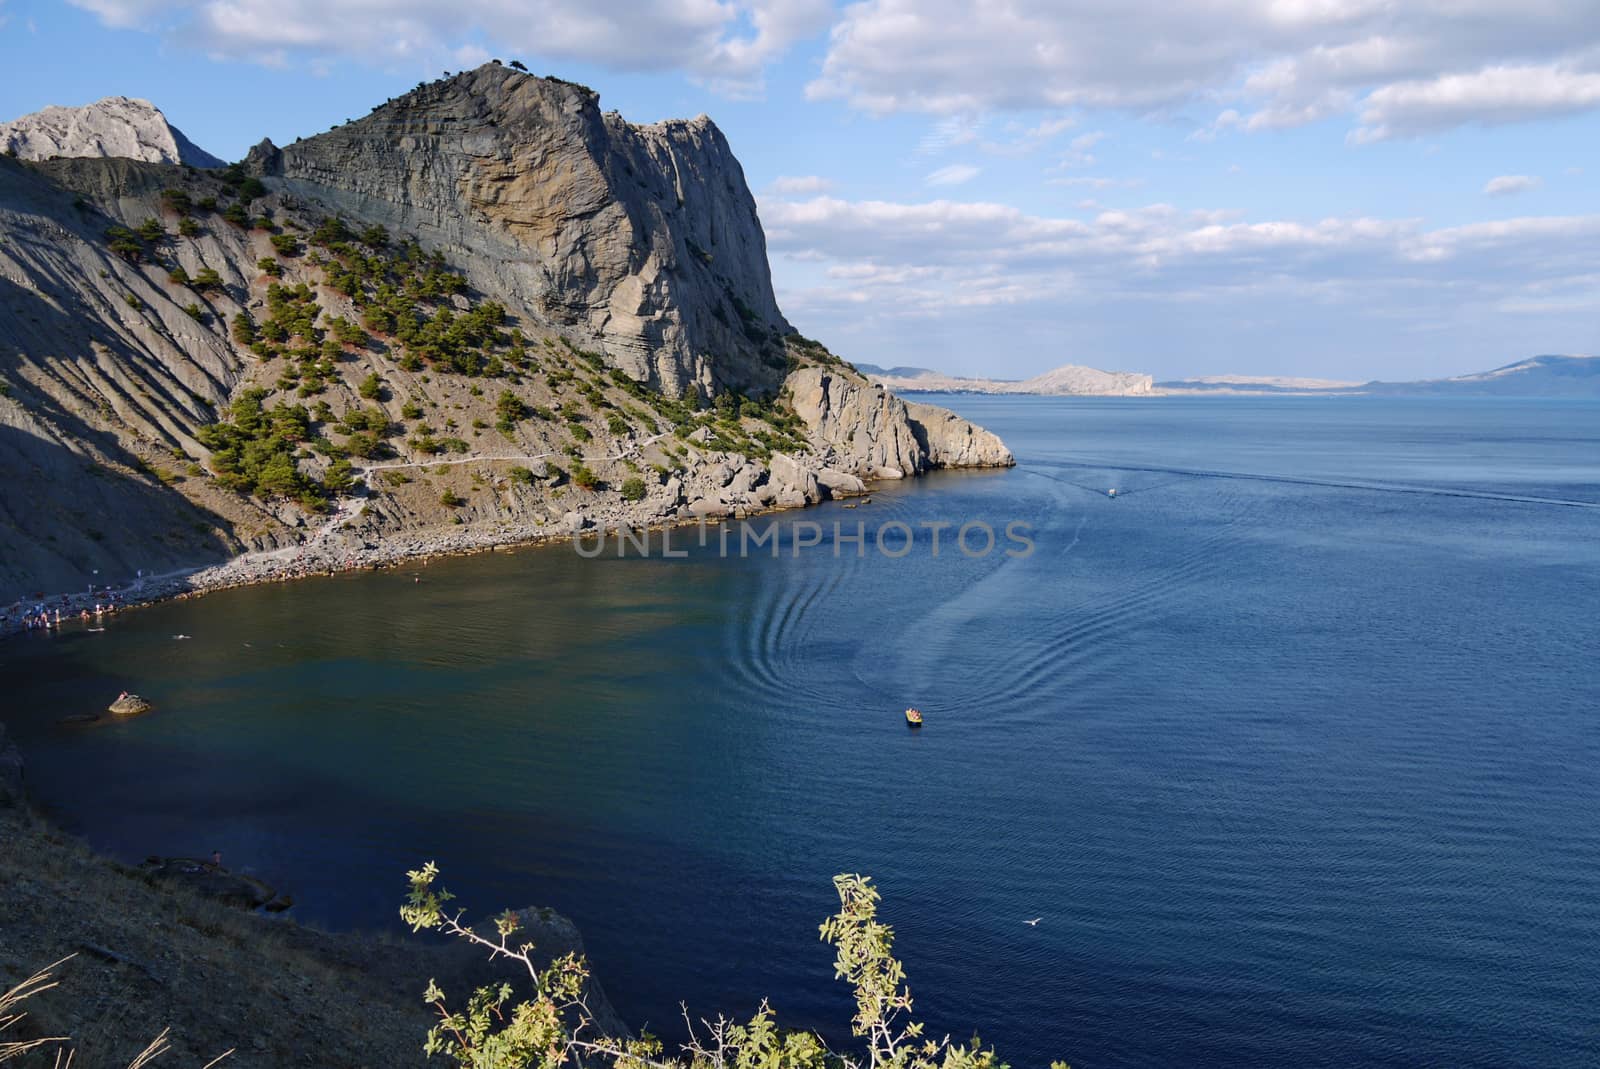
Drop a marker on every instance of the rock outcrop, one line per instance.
(116, 126)
(872, 433)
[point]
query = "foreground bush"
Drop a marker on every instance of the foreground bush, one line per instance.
(551, 1028)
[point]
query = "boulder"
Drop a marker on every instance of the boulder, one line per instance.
(840, 483)
(129, 705)
(792, 481)
(708, 508)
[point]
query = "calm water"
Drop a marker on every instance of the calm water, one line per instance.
(1295, 747)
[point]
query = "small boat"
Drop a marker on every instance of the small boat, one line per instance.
(1111, 492)
(914, 718)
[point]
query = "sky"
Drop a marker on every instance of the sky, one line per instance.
(1348, 189)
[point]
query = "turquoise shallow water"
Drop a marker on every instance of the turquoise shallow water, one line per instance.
(1295, 746)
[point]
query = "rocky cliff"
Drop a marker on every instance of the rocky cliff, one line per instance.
(483, 313)
(115, 126)
(641, 240)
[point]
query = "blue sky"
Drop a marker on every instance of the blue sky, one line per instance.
(1338, 188)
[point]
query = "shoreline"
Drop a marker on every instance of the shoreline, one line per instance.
(316, 558)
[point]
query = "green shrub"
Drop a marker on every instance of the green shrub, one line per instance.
(509, 410)
(286, 244)
(364, 444)
(488, 1033)
(583, 478)
(371, 387)
(633, 489)
(125, 243)
(195, 312)
(188, 227)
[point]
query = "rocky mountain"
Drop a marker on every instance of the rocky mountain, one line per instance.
(116, 126)
(1069, 380)
(483, 313)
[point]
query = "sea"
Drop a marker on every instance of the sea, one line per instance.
(1291, 745)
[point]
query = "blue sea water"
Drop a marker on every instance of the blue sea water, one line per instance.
(1294, 745)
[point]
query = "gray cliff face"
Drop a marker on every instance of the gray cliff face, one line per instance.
(642, 240)
(116, 126)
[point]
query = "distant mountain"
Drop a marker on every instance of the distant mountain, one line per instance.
(1068, 381)
(116, 126)
(1256, 385)
(1539, 376)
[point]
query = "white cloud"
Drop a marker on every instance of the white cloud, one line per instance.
(953, 175)
(950, 132)
(1404, 68)
(799, 185)
(930, 254)
(1492, 96)
(1507, 184)
(724, 43)
(1172, 291)
(1078, 154)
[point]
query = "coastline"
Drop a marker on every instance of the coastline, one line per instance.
(322, 556)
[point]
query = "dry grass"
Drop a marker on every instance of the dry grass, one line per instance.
(136, 959)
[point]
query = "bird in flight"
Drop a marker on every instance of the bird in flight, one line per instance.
(1033, 923)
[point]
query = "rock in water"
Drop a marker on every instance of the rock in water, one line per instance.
(129, 705)
(212, 881)
(115, 126)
